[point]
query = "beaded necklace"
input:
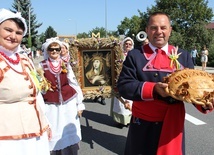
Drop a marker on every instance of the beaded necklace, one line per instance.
(56, 69)
(15, 62)
(66, 58)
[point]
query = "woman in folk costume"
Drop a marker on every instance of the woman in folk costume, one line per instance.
(63, 101)
(121, 108)
(65, 55)
(24, 128)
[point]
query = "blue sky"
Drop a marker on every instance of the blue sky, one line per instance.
(69, 17)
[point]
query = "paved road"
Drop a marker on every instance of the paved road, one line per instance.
(208, 69)
(102, 136)
(198, 132)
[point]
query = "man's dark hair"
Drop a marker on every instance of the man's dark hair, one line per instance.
(157, 13)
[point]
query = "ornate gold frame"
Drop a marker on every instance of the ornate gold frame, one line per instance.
(77, 48)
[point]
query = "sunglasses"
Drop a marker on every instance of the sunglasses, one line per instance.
(52, 49)
(128, 44)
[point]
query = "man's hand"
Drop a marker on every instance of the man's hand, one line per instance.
(159, 89)
(209, 106)
(49, 132)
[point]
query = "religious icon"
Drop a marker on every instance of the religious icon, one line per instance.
(97, 68)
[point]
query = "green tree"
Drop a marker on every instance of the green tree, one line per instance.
(128, 27)
(101, 30)
(49, 33)
(189, 19)
(40, 40)
(131, 27)
(113, 33)
(82, 35)
(95, 31)
(24, 6)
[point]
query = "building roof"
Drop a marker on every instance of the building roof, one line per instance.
(210, 25)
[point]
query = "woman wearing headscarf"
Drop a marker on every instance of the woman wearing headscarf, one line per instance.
(121, 108)
(24, 128)
(63, 100)
(65, 56)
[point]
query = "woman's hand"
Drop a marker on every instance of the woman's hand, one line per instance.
(127, 105)
(97, 78)
(79, 113)
(49, 132)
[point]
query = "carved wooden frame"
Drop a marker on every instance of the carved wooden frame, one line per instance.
(80, 52)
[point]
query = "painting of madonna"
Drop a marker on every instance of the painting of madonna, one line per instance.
(96, 73)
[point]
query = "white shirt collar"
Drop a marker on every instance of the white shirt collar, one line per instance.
(8, 52)
(54, 60)
(165, 48)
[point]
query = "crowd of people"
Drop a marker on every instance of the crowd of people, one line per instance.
(45, 120)
(203, 55)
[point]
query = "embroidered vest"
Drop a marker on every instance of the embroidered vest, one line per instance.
(62, 91)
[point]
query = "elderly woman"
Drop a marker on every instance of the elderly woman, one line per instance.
(63, 101)
(121, 111)
(23, 124)
(65, 56)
